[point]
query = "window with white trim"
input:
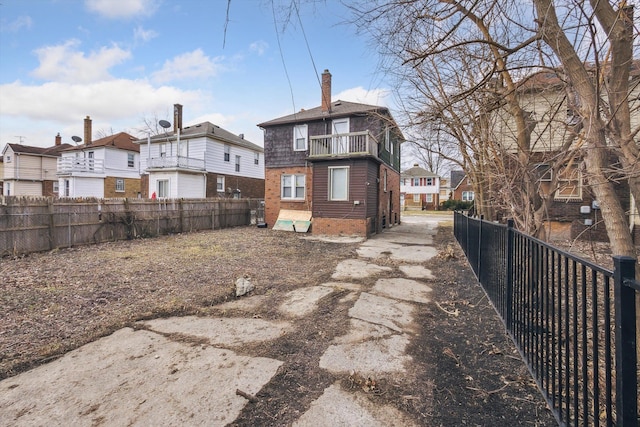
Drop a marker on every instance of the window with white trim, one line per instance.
(256, 158)
(67, 188)
(227, 153)
(119, 185)
(384, 185)
(237, 163)
(569, 182)
(56, 186)
(163, 150)
(339, 183)
(416, 182)
(163, 188)
(300, 136)
(416, 198)
(467, 196)
(220, 184)
(131, 160)
(7, 159)
(430, 181)
(292, 187)
(429, 198)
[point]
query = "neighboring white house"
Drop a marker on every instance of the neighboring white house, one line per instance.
(420, 188)
(31, 171)
(200, 161)
(105, 168)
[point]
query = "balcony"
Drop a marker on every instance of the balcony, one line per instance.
(68, 165)
(343, 145)
(175, 162)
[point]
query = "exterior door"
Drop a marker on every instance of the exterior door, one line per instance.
(340, 144)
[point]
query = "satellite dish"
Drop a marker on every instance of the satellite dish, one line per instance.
(165, 124)
(76, 139)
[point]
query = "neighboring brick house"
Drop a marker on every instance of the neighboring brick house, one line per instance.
(31, 171)
(420, 189)
(104, 168)
(461, 188)
(543, 95)
(199, 161)
(336, 166)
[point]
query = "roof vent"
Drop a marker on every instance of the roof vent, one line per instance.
(337, 103)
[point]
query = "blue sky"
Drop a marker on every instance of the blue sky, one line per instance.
(121, 61)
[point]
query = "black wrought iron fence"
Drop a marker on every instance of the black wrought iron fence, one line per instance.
(573, 322)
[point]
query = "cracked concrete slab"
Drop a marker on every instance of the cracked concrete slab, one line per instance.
(360, 331)
(376, 249)
(191, 384)
(343, 285)
(395, 315)
(357, 269)
(414, 254)
(337, 407)
(249, 304)
(227, 332)
(416, 272)
(301, 302)
(404, 289)
(373, 357)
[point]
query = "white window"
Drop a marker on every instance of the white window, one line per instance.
(544, 172)
(227, 153)
(163, 150)
(237, 163)
(467, 196)
(256, 158)
(163, 188)
(220, 184)
(429, 198)
(300, 134)
(384, 184)
(416, 182)
(67, 188)
(292, 187)
(430, 181)
(387, 139)
(416, 198)
(339, 183)
(569, 182)
(119, 185)
(7, 186)
(131, 160)
(56, 187)
(90, 162)
(7, 159)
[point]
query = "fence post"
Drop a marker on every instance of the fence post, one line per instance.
(626, 356)
(509, 275)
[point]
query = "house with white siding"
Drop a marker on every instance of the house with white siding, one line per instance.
(199, 161)
(31, 171)
(420, 189)
(105, 168)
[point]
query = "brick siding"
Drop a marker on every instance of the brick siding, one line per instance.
(131, 187)
(273, 202)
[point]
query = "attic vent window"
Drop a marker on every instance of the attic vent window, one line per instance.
(337, 103)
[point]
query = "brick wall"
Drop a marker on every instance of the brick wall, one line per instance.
(144, 186)
(131, 187)
(272, 201)
(333, 226)
(391, 195)
(252, 188)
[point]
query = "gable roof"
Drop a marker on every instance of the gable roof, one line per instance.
(457, 177)
(416, 171)
(121, 140)
(206, 129)
(338, 109)
(53, 151)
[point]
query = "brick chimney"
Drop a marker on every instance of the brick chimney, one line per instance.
(326, 91)
(87, 130)
(58, 139)
(177, 118)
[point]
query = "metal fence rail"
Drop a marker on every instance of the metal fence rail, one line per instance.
(572, 321)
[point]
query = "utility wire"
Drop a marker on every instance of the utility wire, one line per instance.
(284, 65)
(306, 41)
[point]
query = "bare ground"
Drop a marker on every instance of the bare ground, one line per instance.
(466, 370)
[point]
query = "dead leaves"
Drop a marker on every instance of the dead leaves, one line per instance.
(368, 384)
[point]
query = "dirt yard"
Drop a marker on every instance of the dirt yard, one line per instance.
(54, 302)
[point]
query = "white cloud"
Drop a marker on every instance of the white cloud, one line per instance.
(359, 94)
(189, 65)
(16, 25)
(140, 34)
(66, 63)
(118, 9)
(259, 47)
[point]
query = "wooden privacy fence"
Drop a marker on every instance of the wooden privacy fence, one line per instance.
(44, 223)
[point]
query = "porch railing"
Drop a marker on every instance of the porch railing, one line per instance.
(573, 322)
(68, 165)
(343, 144)
(181, 162)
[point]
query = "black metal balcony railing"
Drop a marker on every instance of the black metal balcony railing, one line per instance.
(343, 144)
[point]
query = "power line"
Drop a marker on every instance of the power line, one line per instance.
(273, 10)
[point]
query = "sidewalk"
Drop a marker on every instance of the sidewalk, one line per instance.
(203, 371)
